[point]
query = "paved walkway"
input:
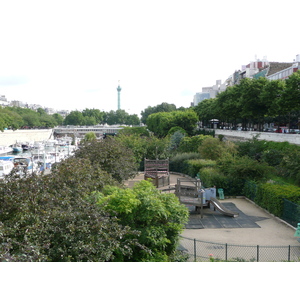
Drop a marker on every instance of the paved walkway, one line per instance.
(253, 226)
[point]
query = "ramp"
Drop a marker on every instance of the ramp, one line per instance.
(217, 205)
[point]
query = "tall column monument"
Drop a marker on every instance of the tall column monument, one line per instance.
(119, 91)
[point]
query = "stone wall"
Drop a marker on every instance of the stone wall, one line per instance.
(10, 137)
(235, 135)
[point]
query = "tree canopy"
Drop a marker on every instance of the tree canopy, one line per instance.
(160, 123)
(254, 101)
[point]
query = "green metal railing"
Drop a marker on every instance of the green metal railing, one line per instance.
(289, 212)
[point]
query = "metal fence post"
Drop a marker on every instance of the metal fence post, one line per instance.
(289, 253)
(195, 253)
(257, 258)
(226, 251)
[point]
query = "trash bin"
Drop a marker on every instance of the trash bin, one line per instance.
(221, 194)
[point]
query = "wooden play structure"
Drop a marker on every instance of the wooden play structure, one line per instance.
(190, 192)
(158, 171)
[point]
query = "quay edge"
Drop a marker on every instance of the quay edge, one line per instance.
(10, 137)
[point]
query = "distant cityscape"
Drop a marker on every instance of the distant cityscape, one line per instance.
(50, 111)
(255, 69)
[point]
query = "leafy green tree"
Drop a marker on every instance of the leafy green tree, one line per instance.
(227, 107)
(111, 156)
(90, 136)
(94, 114)
(48, 218)
(140, 131)
(47, 121)
(159, 218)
(10, 119)
(133, 120)
(206, 110)
(214, 149)
(243, 168)
(253, 108)
(31, 119)
(175, 139)
(58, 119)
(74, 118)
(191, 144)
(271, 95)
(290, 99)
(163, 107)
(41, 111)
(157, 148)
(290, 164)
(160, 123)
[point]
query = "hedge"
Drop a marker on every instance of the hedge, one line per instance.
(194, 166)
(212, 176)
(270, 196)
(179, 163)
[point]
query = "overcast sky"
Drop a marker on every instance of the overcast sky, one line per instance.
(71, 54)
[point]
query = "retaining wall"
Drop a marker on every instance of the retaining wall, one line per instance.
(10, 137)
(268, 136)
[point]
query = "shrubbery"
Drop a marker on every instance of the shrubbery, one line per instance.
(179, 162)
(194, 166)
(158, 217)
(270, 195)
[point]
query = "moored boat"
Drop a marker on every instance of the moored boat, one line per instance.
(25, 163)
(43, 160)
(17, 148)
(5, 149)
(6, 166)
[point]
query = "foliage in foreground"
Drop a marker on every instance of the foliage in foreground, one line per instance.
(111, 156)
(159, 218)
(60, 217)
(45, 218)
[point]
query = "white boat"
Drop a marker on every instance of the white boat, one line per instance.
(43, 160)
(5, 149)
(6, 166)
(38, 146)
(57, 156)
(25, 163)
(51, 143)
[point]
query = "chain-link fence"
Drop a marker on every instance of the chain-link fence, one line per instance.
(201, 251)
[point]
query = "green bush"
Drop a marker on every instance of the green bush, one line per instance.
(191, 144)
(270, 196)
(195, 165)
(210, 177)
(179, 162)
(244, 168)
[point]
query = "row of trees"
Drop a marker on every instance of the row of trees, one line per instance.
(255, 102)
(17, 117)
(90, 117)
